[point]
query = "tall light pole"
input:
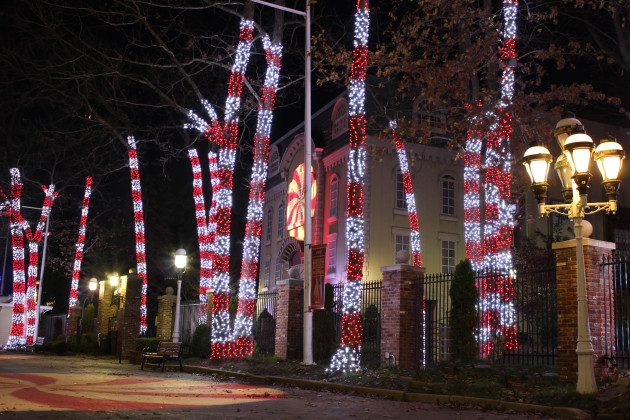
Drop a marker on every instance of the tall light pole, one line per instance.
(573, 171)
(180, 266)
(308, 230)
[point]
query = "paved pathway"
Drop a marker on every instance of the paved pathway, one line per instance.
(54, 387)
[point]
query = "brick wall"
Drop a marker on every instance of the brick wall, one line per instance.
(165, 317)
(105, 308)
(566, 281)
(289, 319)
(72, 327)
(397, 313)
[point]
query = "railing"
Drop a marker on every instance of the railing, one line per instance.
(265, 321)
(615, 273)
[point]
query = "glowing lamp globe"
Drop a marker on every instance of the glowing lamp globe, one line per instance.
(565, 127)
(578, 149)
(113, 279)
(180, 259)
(609, 156)
(93, 284)
(537, 160)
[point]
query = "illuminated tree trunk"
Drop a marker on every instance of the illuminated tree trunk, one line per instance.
(253, 229)
(78, 257)
(347, 358)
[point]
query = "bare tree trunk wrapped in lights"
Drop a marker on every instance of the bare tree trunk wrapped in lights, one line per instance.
(226, 137)
(253, 229)
(347, 358)
(138, 217)
(78, 257)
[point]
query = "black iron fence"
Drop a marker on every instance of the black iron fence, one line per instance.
(615, 272)
(265, 321)
(535, 318)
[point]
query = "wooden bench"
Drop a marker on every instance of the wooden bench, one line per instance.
(165, 351)
(39, 342)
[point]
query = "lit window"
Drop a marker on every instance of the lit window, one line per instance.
(448, 256)
(340, 118)
(269, 224)
(266, 274)
(331, 255)
(280, 220)
(278, 269)
(274, 161)
(401, 201)
(401, 242)
(334, 196)
(448, 195)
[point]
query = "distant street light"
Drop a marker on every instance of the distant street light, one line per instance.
(573, 171)
(180, 266)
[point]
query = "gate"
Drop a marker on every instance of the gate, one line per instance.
(615, 272)
(265, 321)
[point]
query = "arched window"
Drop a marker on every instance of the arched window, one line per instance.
(334, 196)
(280, 220)
(340, 118)
(269, 223)
(448, 195)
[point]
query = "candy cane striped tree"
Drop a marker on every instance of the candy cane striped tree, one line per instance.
(347, 358)
(253, 229)
(225, 136)
(138, 217)
(78, 257)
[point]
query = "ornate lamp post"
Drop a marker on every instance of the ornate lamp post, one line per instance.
(573, 171)
(180, 266)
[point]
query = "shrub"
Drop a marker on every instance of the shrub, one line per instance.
(201, 341)
(87, 322)
(73, 344)
(89, 343)
(146, 342)
(59, 345)
(464, 317)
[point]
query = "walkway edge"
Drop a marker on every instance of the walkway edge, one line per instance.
(474, 402)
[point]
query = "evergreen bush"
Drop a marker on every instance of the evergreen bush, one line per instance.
(147, 342)
(73, 344)
(201, 341)
(89, 343)
(87, 322)
(464, 318)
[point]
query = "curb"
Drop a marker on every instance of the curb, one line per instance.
(481, 403)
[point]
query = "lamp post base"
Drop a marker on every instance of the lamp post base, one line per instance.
(586, 383)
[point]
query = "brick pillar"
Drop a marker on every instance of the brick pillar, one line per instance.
(596, 286)
(73, 323)
(104, 306)
(130, 316)
(398, 297)
(290, 306)
(165, 317)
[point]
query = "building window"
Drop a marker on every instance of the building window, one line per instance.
(401, 242)
(280, 220)
(401, 201)
(334, 196)
(339, 118)
(448, 256)
(448, 195)
(269, 224)
(278, 269)
(331, 255)
(266, 274)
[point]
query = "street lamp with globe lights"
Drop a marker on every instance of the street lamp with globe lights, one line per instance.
(573, 170)
(180, 266)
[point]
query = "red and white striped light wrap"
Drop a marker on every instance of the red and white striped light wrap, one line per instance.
(33, 265)
(78, 256)
(226, 138)
(138, 217)
(472, 198)
(496, 289)
(347, 358)
(16, 334)
(253, 229)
